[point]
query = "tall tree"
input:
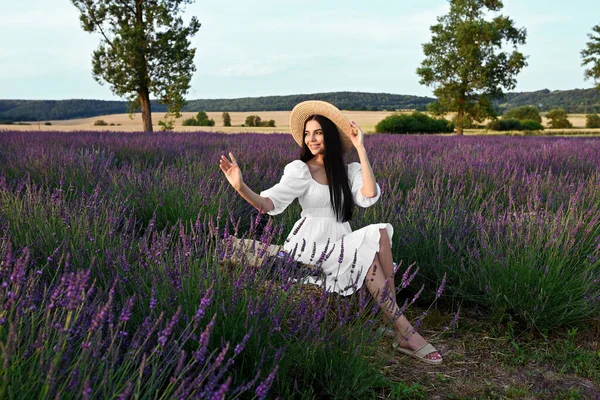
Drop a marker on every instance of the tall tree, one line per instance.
(463, 61)
(226, 119)
(145, 49)
(591, 56)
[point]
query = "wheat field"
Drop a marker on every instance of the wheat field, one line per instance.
(124, 123)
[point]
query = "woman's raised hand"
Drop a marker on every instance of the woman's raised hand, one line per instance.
(358, 136)
(232, 171)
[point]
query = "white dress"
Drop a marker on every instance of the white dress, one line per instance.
(318, 238)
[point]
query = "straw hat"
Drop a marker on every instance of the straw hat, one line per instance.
(303, 110)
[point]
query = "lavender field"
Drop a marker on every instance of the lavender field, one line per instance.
(117, 283)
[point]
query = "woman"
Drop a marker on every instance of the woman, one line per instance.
(327, 190)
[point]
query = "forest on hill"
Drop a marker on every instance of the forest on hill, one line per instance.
(573, 101)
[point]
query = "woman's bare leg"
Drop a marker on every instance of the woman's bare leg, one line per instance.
(384, 258)
(385, 255)
(380, 289)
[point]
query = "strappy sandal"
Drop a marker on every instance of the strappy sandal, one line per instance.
(420, 353)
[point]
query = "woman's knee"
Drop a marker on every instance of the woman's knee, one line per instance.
(383, 235)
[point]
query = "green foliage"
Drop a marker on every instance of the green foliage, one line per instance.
(166, 125)
(402, 391)
(524, 113)
(505, 125)
(572, 101)
(592, 121)
(195, 122)
(252, 120)
(100, 122)
(591, 56)
(436, 109)
(200, 120)
(48, 123)
(202, 116)
(558, 119)
(467, 122)
(531, 125)
(342, 100)
(145, 49)
(226, 119)
(414, 123)
(463, 61)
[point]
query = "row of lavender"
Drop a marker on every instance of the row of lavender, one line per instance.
(512, 222)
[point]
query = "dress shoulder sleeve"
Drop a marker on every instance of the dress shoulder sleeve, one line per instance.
(294, 183)
(356, 184)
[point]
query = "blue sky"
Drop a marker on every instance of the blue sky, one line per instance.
(248, 48)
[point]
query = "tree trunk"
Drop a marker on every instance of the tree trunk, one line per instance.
(459, 122)
(142, 68)
(146, 110)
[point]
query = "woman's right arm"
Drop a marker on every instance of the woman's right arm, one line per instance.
(234, 177)
(262, 204)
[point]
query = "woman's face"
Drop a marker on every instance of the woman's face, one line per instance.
(313, 137)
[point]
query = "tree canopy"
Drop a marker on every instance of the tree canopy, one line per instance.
(591, 56)
(463, 61)
(524, 113)
(145, 49)
(558, 119)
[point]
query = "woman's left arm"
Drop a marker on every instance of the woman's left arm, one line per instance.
(369, 188)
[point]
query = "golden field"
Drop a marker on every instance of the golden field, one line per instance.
(123, 123)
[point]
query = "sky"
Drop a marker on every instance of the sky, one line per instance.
(250, 48)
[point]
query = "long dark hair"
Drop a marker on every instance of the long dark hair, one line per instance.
(340, 194)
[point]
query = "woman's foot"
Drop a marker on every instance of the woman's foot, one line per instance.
(415, 342)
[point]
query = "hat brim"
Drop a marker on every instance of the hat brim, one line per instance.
(303, 110)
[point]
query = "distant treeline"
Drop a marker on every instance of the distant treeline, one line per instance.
(42, 110)
(573, 101)
(576, 101)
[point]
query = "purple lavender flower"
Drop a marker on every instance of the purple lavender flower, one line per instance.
(126, 312)
(223, 389)
(263, 389)
(416, 296)
(204, 303)
(153, 299)
(200, 354)
(441, 288)
(238, 349)
(341, 257)
(87, 390)
(165, 333)
(454, 320)
(125, 395)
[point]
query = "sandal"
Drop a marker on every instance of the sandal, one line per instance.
(420, 353)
